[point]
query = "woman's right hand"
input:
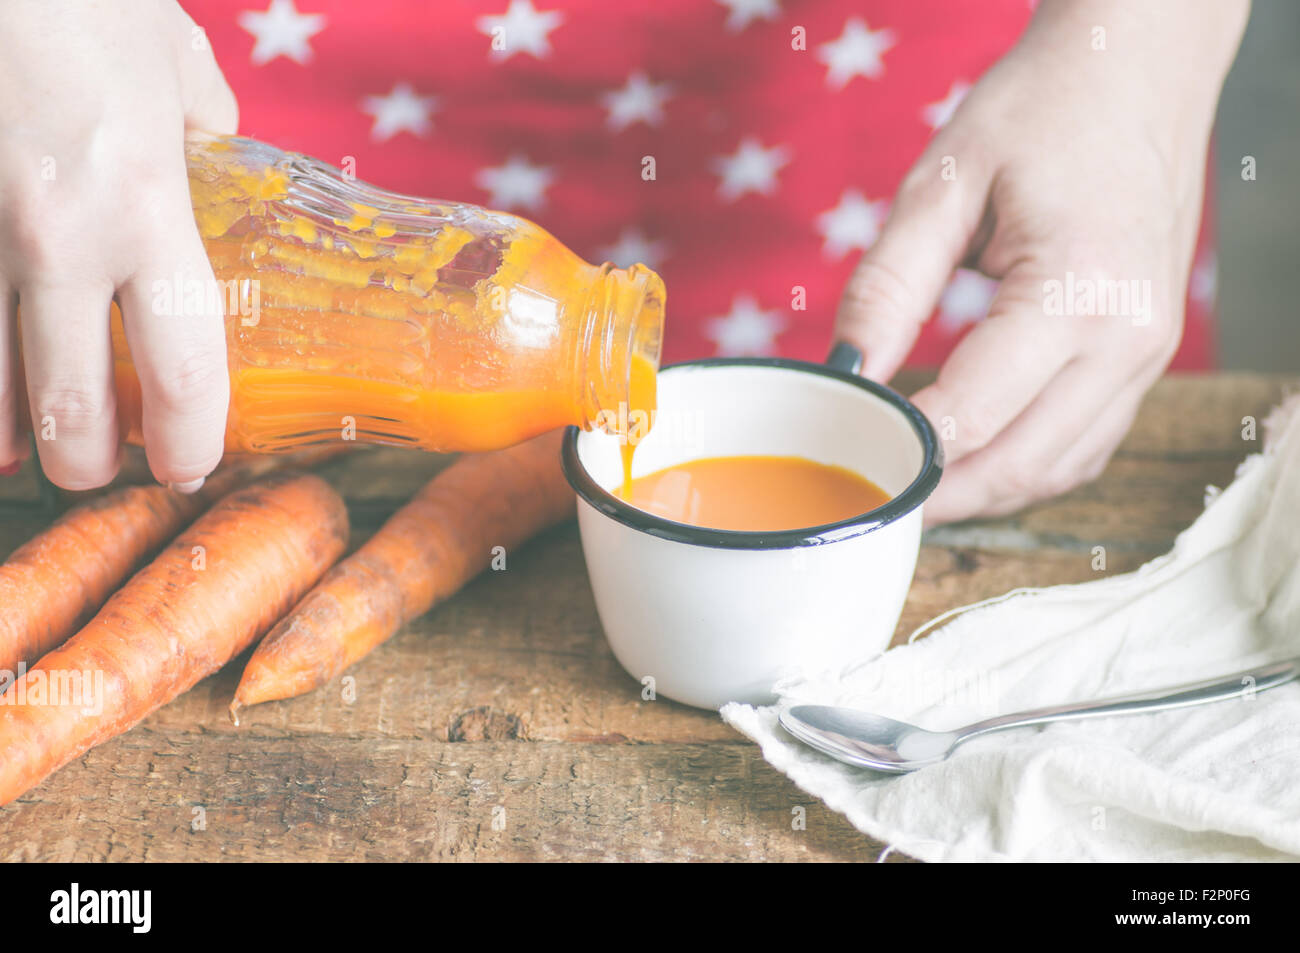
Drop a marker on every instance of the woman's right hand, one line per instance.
(95, 99)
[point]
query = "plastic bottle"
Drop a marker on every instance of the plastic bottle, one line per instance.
(356, 313)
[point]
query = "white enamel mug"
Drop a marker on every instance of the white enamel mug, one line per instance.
(712, 616)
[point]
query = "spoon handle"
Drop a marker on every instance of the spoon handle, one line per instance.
(1243, 683)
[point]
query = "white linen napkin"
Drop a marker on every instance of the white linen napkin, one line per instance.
(1214, 783)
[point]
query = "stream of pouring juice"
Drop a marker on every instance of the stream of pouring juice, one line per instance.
(640, 417)
(755, 493)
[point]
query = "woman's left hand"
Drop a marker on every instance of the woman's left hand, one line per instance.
(1066, 170)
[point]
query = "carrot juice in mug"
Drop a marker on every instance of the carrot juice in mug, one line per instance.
(754, 493)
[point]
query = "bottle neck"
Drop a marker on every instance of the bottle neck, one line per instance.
(619, 348)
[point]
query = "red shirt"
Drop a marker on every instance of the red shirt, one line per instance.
(773, 159)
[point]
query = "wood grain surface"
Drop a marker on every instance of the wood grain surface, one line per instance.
(500, 727)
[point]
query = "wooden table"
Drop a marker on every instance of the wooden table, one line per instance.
(500, 727)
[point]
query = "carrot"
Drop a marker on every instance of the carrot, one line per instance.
(56, 581)
(52, 584)
(206, 598)
(424, 553)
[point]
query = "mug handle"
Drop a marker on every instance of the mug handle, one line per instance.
(845, 357)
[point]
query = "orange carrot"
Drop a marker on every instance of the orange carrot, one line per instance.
(424, 553)
(56, 581)
(52, 584)
(206, 598)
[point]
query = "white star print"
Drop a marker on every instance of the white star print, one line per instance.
(856, 53)
(633, 247)
(747, 331)
(853, 223)
(281, 31)
(750, 169)
(523, 29)
(741, 13)
(401, 110)
(1205, 280)
(966, 299)
(639, 101)
(517, 184)
(936, 115)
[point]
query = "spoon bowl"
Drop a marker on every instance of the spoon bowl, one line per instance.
(867, 740)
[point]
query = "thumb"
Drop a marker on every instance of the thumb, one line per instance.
(896, 284)
(209, 103)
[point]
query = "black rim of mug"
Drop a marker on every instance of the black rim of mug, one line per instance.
(899, 506)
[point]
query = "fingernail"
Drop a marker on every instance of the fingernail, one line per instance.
(846, 357)
(11, 469)
(190, 487)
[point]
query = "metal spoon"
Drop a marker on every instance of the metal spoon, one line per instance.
(883, 744)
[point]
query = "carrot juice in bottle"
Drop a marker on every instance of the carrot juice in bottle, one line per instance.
(355, 312)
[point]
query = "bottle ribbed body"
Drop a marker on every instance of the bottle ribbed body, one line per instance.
(356, 313)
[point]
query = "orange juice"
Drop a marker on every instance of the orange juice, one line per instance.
(354, 313)
(755, 493)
